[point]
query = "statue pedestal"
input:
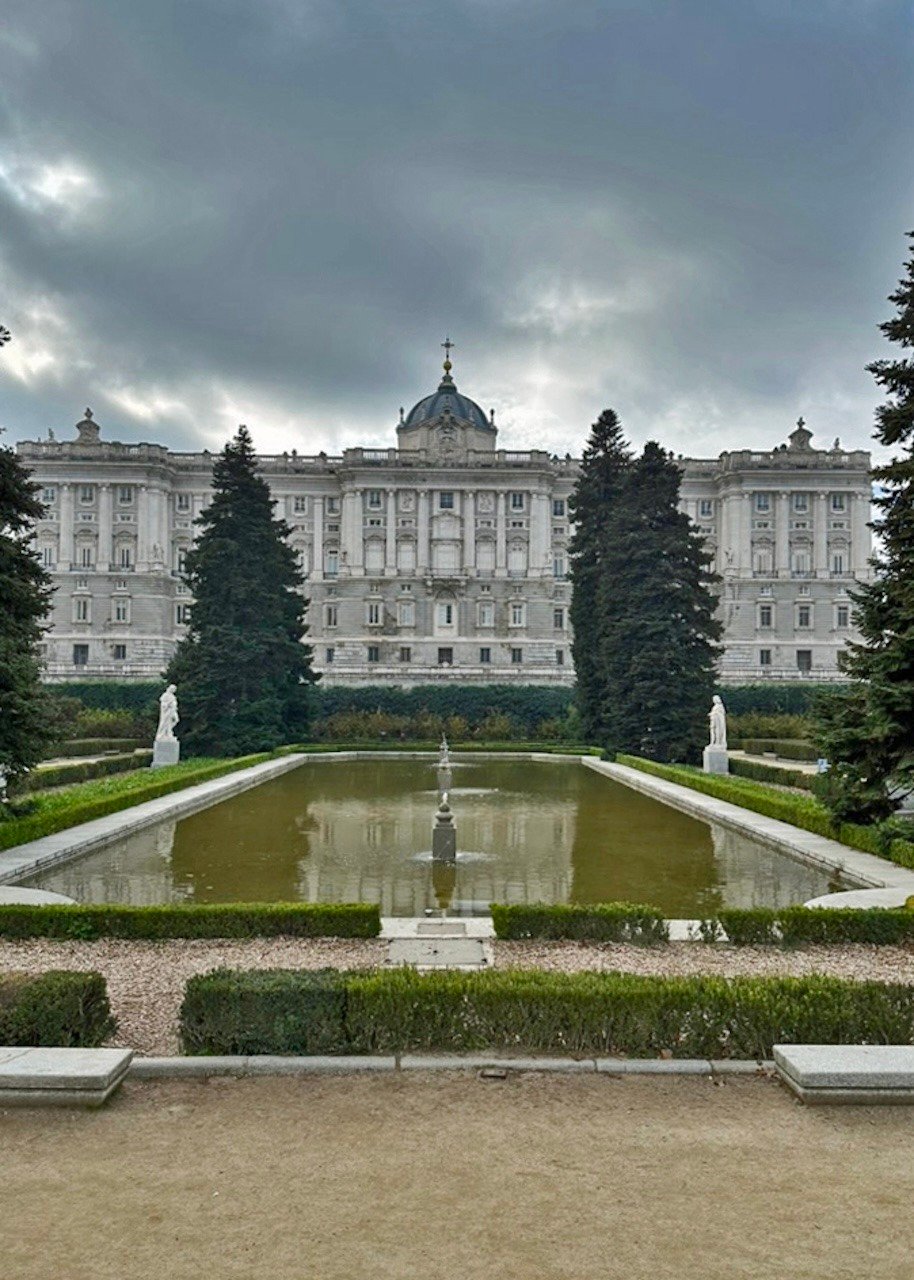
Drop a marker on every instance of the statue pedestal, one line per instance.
(165, 751)
(715, 760)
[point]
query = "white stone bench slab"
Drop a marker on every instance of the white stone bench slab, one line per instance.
(848, 1073)
(60, 1077)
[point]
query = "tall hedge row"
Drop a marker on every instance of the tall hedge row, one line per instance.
(527, 1012)
(56, 1008)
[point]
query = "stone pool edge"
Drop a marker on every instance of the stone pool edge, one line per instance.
(804, 846)
(29, 859)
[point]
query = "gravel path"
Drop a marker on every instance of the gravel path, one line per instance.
(146, 979)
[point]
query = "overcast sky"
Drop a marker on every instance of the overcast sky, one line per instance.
(273, 211)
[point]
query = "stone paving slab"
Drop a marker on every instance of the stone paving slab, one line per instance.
(61, 1077)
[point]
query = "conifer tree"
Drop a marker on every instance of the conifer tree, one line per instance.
(645, 634)
(243, 673)
(593, 509)
(867, 731)
(25, 596)
(659, 634)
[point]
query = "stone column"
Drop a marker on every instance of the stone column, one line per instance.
(143, 530)
(501, 535)
(540, 536)
(422, 561)
(65, 549)
(469, 530)
(782, 535)
(390, 550)
(357, 550)
(317, 552)
(861, 537)
(105, 527)
(820, 535)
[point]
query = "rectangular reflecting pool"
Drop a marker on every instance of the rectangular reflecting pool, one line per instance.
(360, 831)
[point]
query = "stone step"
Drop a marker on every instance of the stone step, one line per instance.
(848, 1073)
(456, 952)
(42, 1077)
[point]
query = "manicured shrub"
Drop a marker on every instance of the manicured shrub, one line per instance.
(270, 1011)
(193, 920)
(520, 1012)
(770, 773)
(802, 926)
(603, 922)
(56, 1008)
(60, 775)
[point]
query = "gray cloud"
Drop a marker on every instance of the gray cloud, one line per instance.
(219, 212)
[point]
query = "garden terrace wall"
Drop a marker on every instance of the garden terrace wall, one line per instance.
(529, 1012)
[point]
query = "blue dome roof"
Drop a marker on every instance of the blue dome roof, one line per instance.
(447, 399)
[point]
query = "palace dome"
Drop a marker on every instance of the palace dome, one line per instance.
(447, 399)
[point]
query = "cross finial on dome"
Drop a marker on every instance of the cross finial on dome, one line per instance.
(448, 346)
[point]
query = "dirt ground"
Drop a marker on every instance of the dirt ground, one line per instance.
(408, 1176)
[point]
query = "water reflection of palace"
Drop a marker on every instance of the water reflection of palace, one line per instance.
(363, 852)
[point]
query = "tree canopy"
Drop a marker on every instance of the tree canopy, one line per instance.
(25, 596)
(867, 731)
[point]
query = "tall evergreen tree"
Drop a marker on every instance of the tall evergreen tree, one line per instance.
(25, 596)
(656, 611)
(243, 673)
(867, 731)
(593, 509)
(645, 634)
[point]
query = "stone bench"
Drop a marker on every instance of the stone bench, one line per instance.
(848, 1073)
(60, 1077)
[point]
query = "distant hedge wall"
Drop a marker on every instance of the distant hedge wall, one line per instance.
(56, 1008)
(786, 748)
(773, 696)
(530, 1011)
(780, 777)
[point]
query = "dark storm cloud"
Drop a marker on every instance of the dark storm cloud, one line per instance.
(215, 212)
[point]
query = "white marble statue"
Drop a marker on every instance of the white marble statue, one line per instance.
(168, 715)
(717, 718)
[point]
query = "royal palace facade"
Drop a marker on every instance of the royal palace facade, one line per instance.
(444, 557)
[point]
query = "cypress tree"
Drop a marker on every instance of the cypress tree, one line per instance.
(867, 731)
(593, 509)
(243, 673)
(25, 596)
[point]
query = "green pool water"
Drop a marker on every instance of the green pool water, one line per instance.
(355, 831)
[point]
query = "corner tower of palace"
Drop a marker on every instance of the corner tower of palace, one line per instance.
(444, 557)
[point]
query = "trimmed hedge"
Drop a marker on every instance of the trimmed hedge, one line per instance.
(96, 746)
(771, 773)
(602, 922)
(193, 920)
(804, 926)
(775, 697)
(69, 808)
(799, 810)
(519, 1011)
(786, 748)
(59, 775)
(431, 747)
(56, 1008)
